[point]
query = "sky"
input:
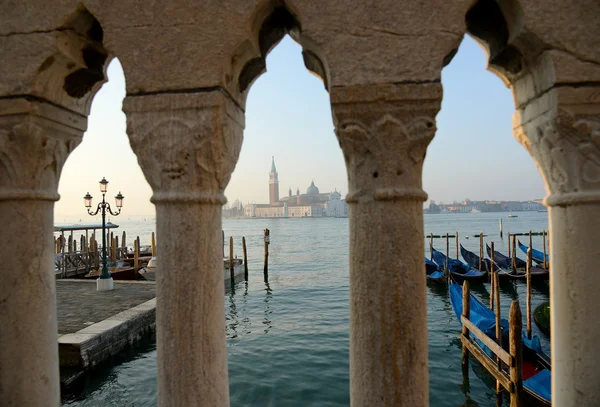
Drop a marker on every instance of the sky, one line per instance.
(288, 116)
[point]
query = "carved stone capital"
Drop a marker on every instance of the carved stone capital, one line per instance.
(561, 130)
(384, 131)
(35, 139)
(186, 143)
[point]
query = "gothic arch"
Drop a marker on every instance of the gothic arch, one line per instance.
(268, 25)
(76, 69)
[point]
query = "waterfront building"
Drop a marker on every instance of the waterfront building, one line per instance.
(313, 203)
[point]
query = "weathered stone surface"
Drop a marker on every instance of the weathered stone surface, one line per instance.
(188, 68)
(384, 135)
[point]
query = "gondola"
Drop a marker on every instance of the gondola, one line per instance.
(536, 255)
(503, 261)
(459, 271)
(505, 270)
(473, 260)
(536, 364)
(433, 272)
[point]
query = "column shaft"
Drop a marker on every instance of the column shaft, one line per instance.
(35, 140)
(575, 304)
(187, 145)
(28, 345)
(384, 131)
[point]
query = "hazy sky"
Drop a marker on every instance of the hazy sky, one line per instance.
(473, 154)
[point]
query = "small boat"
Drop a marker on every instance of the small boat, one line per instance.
(473, 260)
(433, 272)
(513, 216)
(503, 265)
(536, 255)
(459, 271)
(118, 271)
(536, 364)
(503, 261)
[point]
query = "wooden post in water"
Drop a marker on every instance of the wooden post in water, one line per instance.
(75, 245)
(528, 305)
(245, 258)
(114, 249)
(544, 240)
(96, 255)
(500, 228)
(466, 312)
(139, 245)
(124, 242)
(447, 254)
(498, 327)
(136, 254)
(153, 245)
(267, 242)
(493, 279)
(457, 245)
(70, 244)
(231, 264)
(480, 250)
(509, 255)
(516, 351)
(431, 247)
(514, 253)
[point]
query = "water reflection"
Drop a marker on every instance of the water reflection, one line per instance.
(268, 296)
(236, 319)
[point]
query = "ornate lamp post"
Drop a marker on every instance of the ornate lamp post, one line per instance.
(105, 282)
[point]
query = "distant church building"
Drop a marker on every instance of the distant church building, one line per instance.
(311, 204)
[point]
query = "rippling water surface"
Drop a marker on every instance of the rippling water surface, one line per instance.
(287, 339)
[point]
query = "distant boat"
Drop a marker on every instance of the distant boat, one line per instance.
(513, 216)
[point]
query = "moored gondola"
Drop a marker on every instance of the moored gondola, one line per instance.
(535, 372)
(536, 255)
(459, 271)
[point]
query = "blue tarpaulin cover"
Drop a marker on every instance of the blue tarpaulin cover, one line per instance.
(540, 384)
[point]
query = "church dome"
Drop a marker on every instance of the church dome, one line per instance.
(335, 195)
(312, 189)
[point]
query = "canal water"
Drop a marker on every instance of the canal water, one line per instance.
(287, 339)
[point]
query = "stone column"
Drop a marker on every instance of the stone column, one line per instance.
(187, 145)
(384, 131)
(561, 130)
(35, 140)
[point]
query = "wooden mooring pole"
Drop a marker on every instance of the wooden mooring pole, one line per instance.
(457, 256)
(544, 240)
(245, 258)
(267, 242)
(514, 253)
(492, 279)
(136, 254)
(480, 250)
(509, 255)
(153, 240)
(515, 349)
(431, 247)
(528, 305)
(501, 229)
(231, 264)
(466, 312)
(447, 254)
(498, 327)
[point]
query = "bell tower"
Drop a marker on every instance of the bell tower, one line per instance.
(273, 184)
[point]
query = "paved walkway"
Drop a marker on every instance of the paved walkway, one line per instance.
(80, 305)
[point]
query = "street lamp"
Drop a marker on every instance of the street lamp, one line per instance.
(105, 282)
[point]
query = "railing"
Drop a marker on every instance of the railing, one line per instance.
(507, 368)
